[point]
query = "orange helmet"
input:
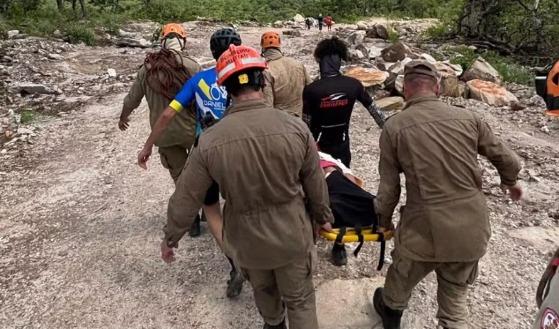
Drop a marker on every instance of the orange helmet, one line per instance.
(237, 59)
(173, 28)
(270, 40)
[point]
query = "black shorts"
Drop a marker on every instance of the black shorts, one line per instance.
(351, 205)
(212, 195)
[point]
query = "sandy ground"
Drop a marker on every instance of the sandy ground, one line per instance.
(80, 225)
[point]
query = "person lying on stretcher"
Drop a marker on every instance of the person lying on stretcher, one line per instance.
(351, 205)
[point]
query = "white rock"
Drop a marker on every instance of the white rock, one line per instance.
(12, 34)
(55, 56)
(428, 58)
(4, 151)
(299, 18)
(111, 73)
(482, 70)
(24, 131)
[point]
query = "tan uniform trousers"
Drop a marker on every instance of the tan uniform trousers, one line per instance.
(290, 287)
(173, 158)
(453, 280)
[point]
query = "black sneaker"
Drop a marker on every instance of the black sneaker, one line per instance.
(195, 228)
(279, 326)
(234, 284)
(390, 318)
(339, 255)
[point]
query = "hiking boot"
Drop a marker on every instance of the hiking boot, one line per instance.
(195, 228)
(279, 326)
(339, 255)
(390, 318)
(234, 284)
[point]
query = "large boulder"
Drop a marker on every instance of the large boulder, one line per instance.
(451, 86)
(395, 103)
(362, 26)
(378, 31)
(278, 24)
(490, 93)
(356, 55)
(374, 52)
(398, 67)
(292, 33)
(133, 43)
(369, 77)
(397, 52)
(356, 38)
(482, 70)
(299, 18)
(30, 88)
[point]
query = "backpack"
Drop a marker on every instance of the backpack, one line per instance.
(547, 86)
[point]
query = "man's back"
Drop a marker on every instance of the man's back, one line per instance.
(436, 147)
(259, 156)
(180, 130)
(289, 79)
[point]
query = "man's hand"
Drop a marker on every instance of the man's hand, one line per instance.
(167, 253)
(514, 191)
(327, 227)
(123, 124)
(144, 155)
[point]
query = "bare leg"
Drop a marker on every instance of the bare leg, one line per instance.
(215, 222)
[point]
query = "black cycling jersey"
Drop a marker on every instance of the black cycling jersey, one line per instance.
(327, 107)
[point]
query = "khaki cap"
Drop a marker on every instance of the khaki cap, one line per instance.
(421, 67)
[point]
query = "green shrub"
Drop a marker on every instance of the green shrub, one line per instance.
(77, 33)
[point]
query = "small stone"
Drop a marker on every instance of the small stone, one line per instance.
(55, 57)
(111, 73)
(545, 129)
(4, 151)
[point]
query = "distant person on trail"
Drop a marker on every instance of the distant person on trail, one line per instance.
(267, 167)
(320, 22)
(547, 296)
(287, 77)
(328, 102)
(211, 102)
(159, 79)
(444, 226)
(309, 22)
(329, 22)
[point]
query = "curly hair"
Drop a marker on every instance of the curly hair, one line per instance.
(332, 46)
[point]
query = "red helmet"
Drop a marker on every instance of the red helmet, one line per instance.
(237, 59)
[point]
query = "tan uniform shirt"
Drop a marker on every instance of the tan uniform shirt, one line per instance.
(445, 218)
(267, 167)
(181, 130)
(288, 77)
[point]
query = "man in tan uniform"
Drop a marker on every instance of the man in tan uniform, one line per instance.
(548, 296)
(287, 76)
(444, 226)
(159, 79)
(267, 166)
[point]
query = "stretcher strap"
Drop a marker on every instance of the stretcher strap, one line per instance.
(359, 233)
(382, 241)
(340, 236)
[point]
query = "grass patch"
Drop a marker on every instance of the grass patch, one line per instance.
(28, 116)
(393, 35)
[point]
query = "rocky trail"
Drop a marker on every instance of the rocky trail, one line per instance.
(80, 222)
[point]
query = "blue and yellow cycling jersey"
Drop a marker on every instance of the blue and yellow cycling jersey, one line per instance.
(210, 98)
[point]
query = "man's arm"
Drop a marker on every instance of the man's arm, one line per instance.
(314, 185)
(185, 203)
(501, 157)
(389, 187)
(182, 99)
(269, 88)
(364, 98)
(309, 114)
(132, 100)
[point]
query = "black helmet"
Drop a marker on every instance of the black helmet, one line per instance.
(221, 39)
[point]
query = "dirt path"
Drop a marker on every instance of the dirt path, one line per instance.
(80, 225)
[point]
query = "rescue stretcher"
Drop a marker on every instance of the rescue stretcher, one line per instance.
(361, 235)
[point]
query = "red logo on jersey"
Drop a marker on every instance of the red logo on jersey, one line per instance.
(334, 100)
